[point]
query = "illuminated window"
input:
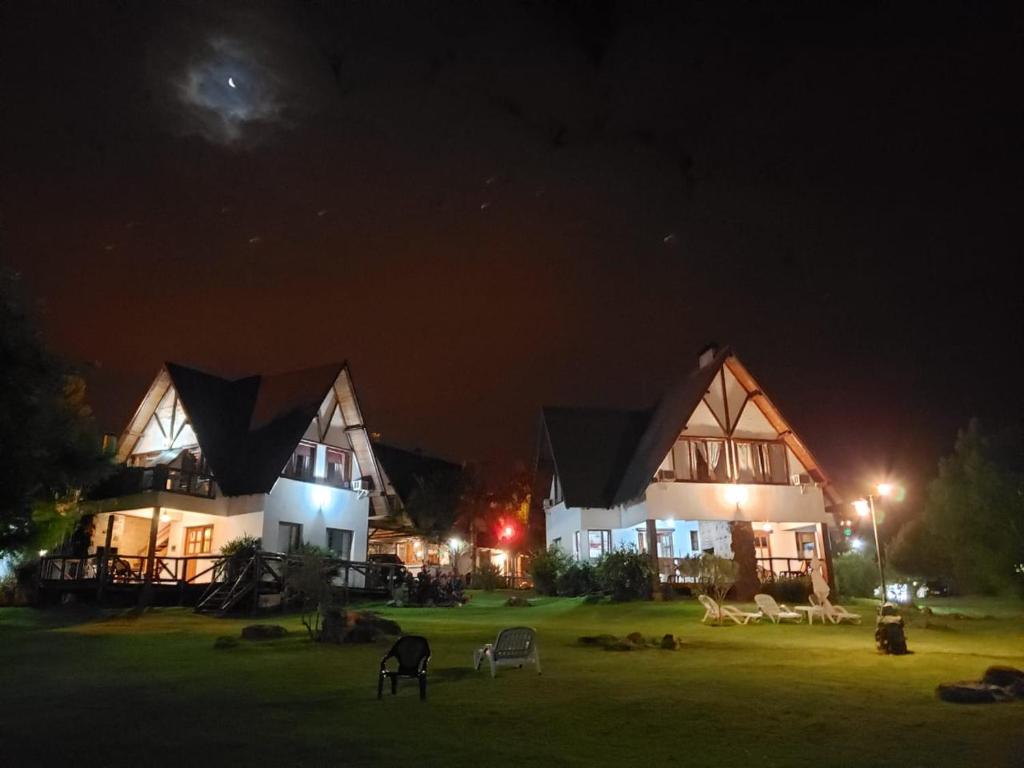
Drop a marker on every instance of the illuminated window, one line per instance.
(289, 537)
(337, 466)
(303, 460)
(598, 542)
(806, 545)
(761, 462)
(339, 541)
(700, 459)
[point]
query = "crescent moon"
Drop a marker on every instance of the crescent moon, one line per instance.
(231, 82)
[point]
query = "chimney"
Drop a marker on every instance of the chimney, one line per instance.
(707, 355)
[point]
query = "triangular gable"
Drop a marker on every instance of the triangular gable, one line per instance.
(781, 426)
(248, 428)
(720, 398)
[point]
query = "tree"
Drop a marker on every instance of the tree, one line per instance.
(712, 575)
(971, 526)
(49, 450)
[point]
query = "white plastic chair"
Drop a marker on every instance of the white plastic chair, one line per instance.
(514, 647)
(716, 612)
(837, 613)
(774, 611)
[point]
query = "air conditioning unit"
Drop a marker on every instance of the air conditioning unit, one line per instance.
(364, 483)
(801, 479)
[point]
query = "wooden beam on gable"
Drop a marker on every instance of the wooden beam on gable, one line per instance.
(781, 425)
(146, 409)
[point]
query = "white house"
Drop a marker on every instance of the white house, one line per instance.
(714, 451)
(285, 458)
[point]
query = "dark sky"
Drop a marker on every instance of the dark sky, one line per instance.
(486, 207)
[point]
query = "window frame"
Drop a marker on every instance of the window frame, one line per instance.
(288, 548)
(351, 541)
(605, 544)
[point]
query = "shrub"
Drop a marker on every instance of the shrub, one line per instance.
(789, 590)
(546, 565)
(712, 575)
(487, 577)
(856, 575)
(243, 546)
(577, 579)
(625, 574)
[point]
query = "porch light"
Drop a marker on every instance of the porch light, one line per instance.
(736, 494)
(321, 496)
(164, 517)
(767, 527)
(42, 552)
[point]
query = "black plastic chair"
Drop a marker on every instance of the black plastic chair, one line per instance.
(412, 653)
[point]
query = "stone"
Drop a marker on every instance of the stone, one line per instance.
(668, 642)
(636, 638)
(971, 692)
(225, 641)
(263, 632)
(1003, 676)
(621, 645)
(517, 602)
(598, 640)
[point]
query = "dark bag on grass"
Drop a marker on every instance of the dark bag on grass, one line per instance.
(890, 638)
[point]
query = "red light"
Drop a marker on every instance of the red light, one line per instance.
(509, 530)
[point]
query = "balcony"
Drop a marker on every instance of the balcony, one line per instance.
(131, 480)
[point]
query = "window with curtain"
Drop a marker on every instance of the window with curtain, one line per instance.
(598, 543)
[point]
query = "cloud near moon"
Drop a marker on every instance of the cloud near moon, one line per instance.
(239, 79)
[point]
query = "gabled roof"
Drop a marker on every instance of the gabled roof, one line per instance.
(246, 427)
(407, 468)
(591, 449)
(605, 458)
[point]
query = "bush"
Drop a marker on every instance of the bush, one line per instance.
(577, 579)
(625, 574)
(856, 575)
(546, 566)
(712, 575)
(789, 590)
(487, 577)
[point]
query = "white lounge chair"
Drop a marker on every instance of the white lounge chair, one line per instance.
(716, 612)
(837, 613)
(514, 647)
(774, 611)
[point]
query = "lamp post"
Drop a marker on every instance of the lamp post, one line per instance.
(865, 508)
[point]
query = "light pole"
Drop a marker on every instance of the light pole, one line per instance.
(864, 508)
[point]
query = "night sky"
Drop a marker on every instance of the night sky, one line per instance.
(487, 207)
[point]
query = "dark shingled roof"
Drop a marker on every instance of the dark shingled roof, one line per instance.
(403, 468)
(249, 427)
(607, 457)
(591, 449)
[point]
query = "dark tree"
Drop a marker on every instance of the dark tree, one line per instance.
(971, 527)
(49, 451)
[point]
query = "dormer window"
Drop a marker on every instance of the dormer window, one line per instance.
(303, 460)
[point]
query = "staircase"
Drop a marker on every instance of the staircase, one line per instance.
(223, 595)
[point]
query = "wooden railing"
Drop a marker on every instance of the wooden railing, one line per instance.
(129, 480)
(129, 569)
(783, 567)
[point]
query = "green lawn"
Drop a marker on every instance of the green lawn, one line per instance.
(153, 691)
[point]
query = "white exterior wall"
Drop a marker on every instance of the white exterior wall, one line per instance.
(317, 508)
(562, 523)
(708, 501)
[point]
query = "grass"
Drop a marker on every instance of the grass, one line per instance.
(77, 690)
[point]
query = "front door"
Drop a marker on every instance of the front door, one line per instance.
(198, 541)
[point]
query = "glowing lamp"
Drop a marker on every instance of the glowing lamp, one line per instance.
(767, 528)
(857, 544)
(321, 496)
(884, 489)
(861, 507)
(455, 543)
(736, 494)
(42, 552)
(507, 531)
(164, 517)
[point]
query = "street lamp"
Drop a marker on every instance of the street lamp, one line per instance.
(866, 507)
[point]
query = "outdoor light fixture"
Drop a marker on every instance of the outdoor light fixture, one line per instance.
(736, 494)
(455, 543)
(164, 517)
(42, 552)
(864, 507)
(857, 544)
(321, 496)
(767, 528)
(508, 531)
